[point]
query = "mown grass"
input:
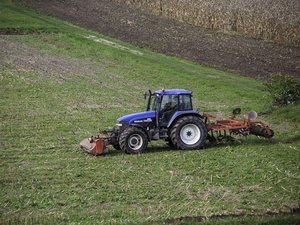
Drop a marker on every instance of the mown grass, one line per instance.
(47, 179)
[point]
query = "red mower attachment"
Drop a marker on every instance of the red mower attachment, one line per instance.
(94, 145)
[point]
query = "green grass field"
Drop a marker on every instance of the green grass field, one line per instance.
(59, 85)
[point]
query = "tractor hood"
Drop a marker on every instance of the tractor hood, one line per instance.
(141, 117)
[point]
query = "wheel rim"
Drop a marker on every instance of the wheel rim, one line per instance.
(190, 134)
(135, 142)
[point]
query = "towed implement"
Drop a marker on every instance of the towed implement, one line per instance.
(170, 116)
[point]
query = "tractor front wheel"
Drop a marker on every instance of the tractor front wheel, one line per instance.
(133, 140)
(189, 133)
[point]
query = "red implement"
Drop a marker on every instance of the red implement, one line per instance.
(94, 145)
(237, 125)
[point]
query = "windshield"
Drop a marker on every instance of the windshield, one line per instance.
(156, 101)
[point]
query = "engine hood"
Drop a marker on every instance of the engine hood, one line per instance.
(141, 117)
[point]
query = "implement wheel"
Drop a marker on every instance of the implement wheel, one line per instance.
(189, 133)
(133, 140)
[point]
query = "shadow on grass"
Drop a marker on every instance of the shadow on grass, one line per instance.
(292, 139)
(209, 145)
(290, 217)
(149, 150)
(271, 218)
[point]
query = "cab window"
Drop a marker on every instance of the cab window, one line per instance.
(185, 102)
(169, 105)
(156, 103)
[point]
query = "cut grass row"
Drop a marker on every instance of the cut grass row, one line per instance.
(45, 178)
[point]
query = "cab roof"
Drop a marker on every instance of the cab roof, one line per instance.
(173, 92)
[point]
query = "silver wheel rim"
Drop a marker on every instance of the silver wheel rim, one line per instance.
(135, 142)
(190, 134)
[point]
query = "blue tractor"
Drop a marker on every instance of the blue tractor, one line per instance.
(169, 116)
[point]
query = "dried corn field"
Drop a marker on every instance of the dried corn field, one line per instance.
(273, 20)
(247, 56)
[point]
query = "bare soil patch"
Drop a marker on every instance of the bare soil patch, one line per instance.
(21, 57)
(227, 52)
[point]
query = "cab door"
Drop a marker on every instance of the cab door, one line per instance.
(168, 106)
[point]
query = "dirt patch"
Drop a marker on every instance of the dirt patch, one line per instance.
(21, 57)
(232, 53)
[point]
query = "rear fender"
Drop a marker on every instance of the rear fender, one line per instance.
(180, 114)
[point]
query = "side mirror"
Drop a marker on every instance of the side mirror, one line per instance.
(147, 94)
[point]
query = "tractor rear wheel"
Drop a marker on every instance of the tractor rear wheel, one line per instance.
(133, 140)
(188, 133)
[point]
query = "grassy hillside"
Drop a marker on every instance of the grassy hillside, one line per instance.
(61, 83)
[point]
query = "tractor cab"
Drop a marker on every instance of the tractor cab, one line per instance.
(169, 103)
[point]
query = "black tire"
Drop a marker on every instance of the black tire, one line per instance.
(170, 143)
(188, 133)
(133, 140)
(114, 140)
